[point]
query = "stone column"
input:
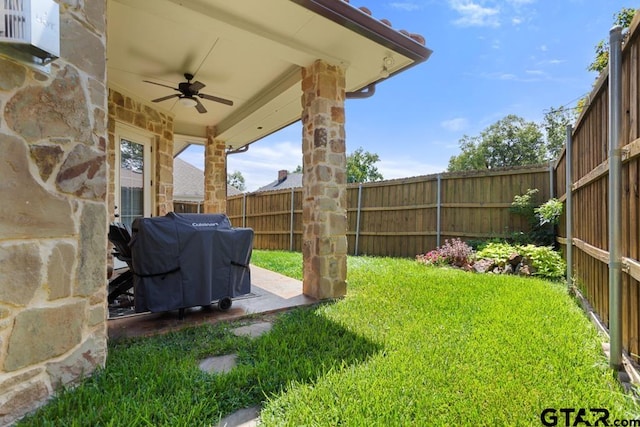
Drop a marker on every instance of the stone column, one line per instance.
(324, 244)
(215, 174)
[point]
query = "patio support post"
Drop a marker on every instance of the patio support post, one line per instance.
(615, 197)
(324, 240)
(569, 204)
(215, 174)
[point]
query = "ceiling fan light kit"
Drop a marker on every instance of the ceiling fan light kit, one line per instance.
(188, 92)
(188, 102)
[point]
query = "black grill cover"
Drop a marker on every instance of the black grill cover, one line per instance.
(187, 260)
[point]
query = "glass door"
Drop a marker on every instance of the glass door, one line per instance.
(132, 176)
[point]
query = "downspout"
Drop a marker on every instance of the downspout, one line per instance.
(365, 92)
(569, 204)
(615, 197)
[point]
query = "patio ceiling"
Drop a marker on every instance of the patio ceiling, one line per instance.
(250, 52)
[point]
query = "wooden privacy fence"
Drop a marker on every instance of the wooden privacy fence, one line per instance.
(589, 183)
(401, 217)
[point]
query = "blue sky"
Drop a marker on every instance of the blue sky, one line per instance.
(491, 58)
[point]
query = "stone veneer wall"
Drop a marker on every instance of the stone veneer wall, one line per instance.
(215, 174)
(53, 215)
(125, 109)
(324, 212)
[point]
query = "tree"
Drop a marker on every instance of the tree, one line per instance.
(555, 124)
(298, 169)
(601, 61)
(236, 180)
(360, 167)
(511, 141)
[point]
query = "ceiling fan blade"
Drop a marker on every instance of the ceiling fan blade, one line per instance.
(160, 84)
(164, 98)
(215, 98)
(200, 107)
(196, 86)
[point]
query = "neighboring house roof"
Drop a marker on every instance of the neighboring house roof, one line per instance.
(130, 178)
(285, 180)
(188, 183)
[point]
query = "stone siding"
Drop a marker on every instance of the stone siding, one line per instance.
(53, 215)
(215, 174)
(324, 212)
(127, 110)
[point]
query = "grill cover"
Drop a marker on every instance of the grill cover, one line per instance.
(187, 260)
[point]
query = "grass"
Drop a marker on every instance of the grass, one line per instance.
(408, 345)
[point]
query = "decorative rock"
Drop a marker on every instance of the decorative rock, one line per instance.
(43, 333)
(28, 210)
(483, 265)
(58, 110)
(84, 173)
(515, 259)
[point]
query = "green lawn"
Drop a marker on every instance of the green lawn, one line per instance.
(408, 345)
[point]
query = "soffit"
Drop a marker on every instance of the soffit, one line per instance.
(250, 52)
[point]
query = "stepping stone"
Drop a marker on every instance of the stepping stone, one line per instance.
(253, 331)
(247, 417)
(219, 364)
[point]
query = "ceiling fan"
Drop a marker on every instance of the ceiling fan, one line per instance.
(189, 94)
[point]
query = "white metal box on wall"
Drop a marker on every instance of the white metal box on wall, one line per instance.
(30, 30)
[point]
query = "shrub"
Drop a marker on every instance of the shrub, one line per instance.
(547, 262)
(498, 252)
(454, 252)
(549, 212)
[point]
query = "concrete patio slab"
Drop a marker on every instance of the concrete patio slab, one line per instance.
(270, 292)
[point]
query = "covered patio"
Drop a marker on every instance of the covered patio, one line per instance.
(120, 96)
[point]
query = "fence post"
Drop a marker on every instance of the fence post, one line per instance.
(438, 210)
(568, 160)
(244, 210)
(552, 189)
(615, 197)
(291, 227)
(355, 252)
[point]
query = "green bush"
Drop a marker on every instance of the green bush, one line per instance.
(547, 262)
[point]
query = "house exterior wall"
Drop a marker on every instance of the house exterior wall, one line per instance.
(53, 215)
(130, 111)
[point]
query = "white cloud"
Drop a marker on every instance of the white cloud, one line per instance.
(455, 125)
(406, 168)
(516, 20)
(474, 15)
(543, 48)
(407, 6)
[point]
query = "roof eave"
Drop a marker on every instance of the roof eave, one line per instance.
(356, 20)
